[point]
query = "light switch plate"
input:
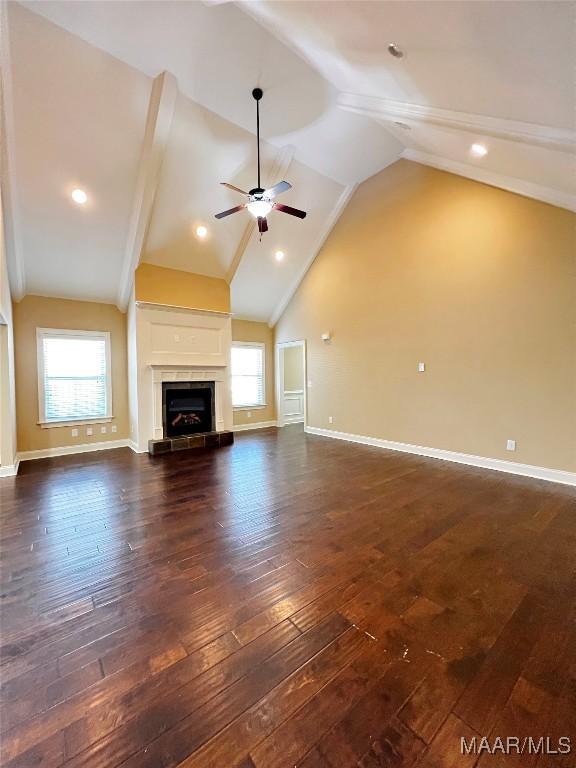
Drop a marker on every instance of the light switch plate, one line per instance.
(421, 367)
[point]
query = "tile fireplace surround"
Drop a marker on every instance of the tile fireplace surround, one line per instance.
(175, 344)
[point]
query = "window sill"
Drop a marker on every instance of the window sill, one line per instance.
(249, 407)
(74, 423)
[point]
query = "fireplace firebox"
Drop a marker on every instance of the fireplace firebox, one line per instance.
(187, 407)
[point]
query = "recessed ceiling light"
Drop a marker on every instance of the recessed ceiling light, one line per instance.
(279, 255)
(395, 51)
(201, 231)
(79, 196)
(478, 150)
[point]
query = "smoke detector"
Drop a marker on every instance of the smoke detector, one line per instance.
(395, 51)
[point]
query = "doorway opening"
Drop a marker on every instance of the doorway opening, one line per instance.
(291, 382)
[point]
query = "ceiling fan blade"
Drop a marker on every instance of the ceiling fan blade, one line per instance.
(277, 189)
(290, 210)
(262, 224)
(236, 189)
(229, 211)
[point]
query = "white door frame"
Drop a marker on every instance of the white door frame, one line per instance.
(279, 377)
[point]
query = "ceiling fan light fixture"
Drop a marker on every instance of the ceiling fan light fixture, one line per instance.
(261, 200)
(259, 208)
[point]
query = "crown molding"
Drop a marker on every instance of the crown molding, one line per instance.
(509, 183)
(560, 139)
(154, 305)
(335, 214)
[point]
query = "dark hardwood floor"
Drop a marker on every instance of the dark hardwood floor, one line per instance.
(288, 601)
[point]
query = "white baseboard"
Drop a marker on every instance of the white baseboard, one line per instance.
(134, 447)
(499, 465)
(68, 450)
(256, 425)
(9, 470)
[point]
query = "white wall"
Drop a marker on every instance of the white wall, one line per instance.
(7, 384)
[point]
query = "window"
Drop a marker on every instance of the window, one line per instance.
(74, 376)
(248, 389)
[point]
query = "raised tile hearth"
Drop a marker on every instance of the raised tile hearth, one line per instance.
(185, 443)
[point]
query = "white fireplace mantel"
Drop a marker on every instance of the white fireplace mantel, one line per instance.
(174, 345)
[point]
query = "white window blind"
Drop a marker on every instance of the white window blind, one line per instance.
(74, 375)
(248, 375)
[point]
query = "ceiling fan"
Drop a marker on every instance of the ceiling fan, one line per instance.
(261, 201)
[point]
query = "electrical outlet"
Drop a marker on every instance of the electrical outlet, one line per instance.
(421, 367)
(248, 414)
(89, 431)
(103, 430)
(114, 428)
(75, 432)
(330, 420)
(510, 445)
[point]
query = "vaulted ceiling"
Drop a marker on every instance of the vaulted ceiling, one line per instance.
(85, 107)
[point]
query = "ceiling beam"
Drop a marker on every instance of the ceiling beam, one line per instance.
(10, 203)
(281, 165)
(158, 124)
(512, 130)
(335, 214)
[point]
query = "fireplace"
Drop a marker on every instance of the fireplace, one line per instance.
(188, 407)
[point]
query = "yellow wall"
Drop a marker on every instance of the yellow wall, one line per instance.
(39, 312)
(293, 369)
(476, 282)
(159, 285)
(248, 330)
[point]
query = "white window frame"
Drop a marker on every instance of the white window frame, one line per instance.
(41, 334)
(257, 345)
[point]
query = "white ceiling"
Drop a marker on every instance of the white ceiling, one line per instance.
(72, 129)
(499, 73)
(218, 55)
(505, 59)
(503, 69)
